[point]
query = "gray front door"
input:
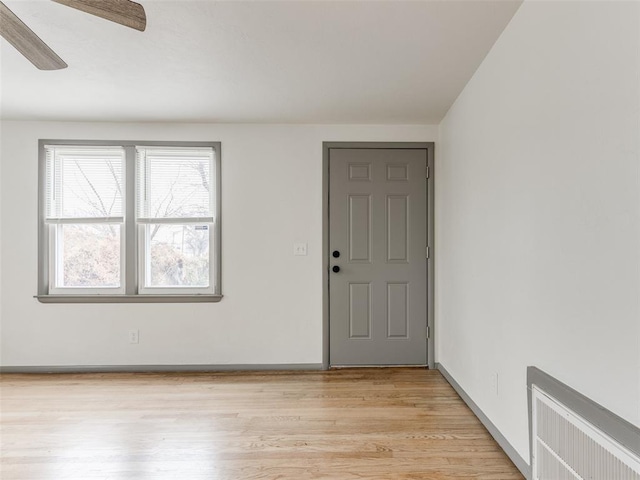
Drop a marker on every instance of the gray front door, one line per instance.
(378, 240)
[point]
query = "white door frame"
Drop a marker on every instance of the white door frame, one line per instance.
(326, 147)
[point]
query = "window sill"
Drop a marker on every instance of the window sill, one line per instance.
(128, 298)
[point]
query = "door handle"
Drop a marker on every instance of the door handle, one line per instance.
(335, 254)
(335, 269)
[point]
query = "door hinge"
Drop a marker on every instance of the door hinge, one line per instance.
(428, 172)
(428, 332)
(428, 252)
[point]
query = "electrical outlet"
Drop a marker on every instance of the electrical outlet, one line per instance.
(134, 336)
(299, 248)
(494, 383)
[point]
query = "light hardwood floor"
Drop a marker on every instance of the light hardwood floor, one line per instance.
(345, 424)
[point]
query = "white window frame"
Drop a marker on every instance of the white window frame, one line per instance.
(132, 287)
(55, 225)
(143, 248)
(144, 245)
(56, 270)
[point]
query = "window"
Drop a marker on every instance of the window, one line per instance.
(175, 218)
(124, 221)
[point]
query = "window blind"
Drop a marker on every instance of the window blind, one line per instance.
(175, 184)
(83, 184)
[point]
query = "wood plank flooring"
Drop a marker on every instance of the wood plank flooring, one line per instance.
(344, 424)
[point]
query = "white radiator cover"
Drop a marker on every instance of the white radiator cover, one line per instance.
(567, 447)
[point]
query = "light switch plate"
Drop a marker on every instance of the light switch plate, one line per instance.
(299, 248)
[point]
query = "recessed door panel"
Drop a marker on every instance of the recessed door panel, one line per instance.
(360, 172)
(359, 310)
(359, 227)
(397, 310)
(397, 228)
(398, 173)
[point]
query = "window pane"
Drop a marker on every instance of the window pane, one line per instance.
(178, 255)
(174, 184)
(85, 183)
(88, 255)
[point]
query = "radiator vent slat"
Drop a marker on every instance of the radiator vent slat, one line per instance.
(567, 447)
(552, 467)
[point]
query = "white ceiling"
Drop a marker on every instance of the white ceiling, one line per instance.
(254, 61)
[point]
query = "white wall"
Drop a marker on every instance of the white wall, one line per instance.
(1, 142)
(271, 198)
(538, 213)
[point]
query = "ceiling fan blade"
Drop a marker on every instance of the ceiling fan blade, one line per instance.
(27, 42)
(124, 12)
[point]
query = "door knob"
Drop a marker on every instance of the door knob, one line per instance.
(335, 254)
(335, 269)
